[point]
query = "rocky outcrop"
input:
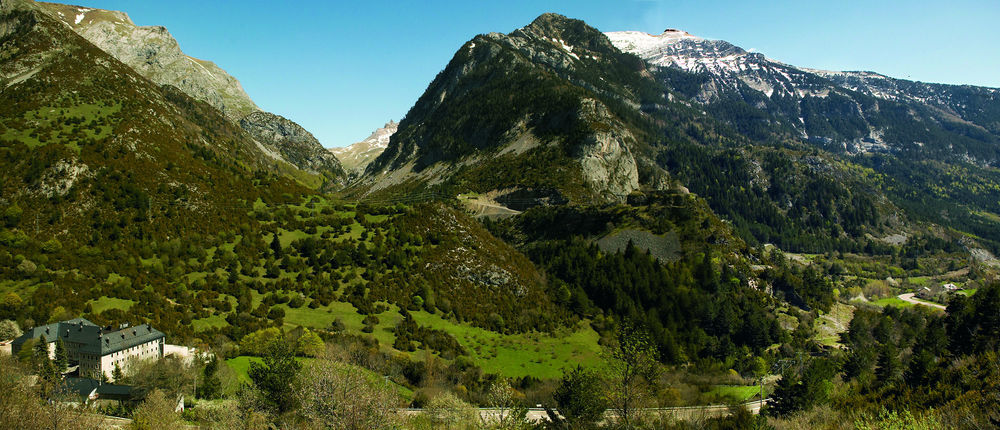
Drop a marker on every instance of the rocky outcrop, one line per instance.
(155, 54)
(294, 143)
(605, 158)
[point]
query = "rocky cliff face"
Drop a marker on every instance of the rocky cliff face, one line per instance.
(155, 54)
(289, 141)
(551, 106)
(357, 156)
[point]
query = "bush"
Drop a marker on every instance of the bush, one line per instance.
(156, 412)
(449, 412)
(580, 397)
(9, 330)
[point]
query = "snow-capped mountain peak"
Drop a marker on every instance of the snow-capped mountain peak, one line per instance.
(846, 111)
(680, 49)
(631, 41)
(355, 157)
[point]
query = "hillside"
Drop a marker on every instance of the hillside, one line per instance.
(529, 111)
(551, 206)
(586, 123)
(96, 154)
(932, 146)
(155, 54)
(295, 145)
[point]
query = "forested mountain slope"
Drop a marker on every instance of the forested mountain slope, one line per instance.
(529, 110)
(93, 153)
(933, 148)
(155, 54)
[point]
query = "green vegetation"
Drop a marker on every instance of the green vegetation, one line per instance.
(64, 125)
(104, 303)
(736, 393)
(540, 355)
(892, 301)
(662, 297)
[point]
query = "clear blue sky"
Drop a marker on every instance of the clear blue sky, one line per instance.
(342, 69)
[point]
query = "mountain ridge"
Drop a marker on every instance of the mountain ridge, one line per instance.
(801, 100)
(155, 54)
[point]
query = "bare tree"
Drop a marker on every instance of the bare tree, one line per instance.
(20, 407)
(509, 413)
(156, 412)
(632, 369)
(449, 412)
(342, 396)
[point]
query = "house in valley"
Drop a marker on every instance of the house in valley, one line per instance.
(95, 349)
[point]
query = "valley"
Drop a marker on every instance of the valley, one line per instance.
(603, 224)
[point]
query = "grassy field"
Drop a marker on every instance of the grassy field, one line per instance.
(737, 393)
(892, 301)
(538, 354)
(104, 303)
(241, 365)
(542, 355)
(51, 127)
(22, 288)
(209, 322)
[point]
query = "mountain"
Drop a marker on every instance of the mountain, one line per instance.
(155, 54)
(95, 154)
(848, 112)
(294, 144)
(114, 186)
(532, 111)
(936, 147)
(553, 113)
(357, 156)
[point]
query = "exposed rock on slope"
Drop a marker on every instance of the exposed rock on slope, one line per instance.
(294, 144)
(358, 155)
(155, 54)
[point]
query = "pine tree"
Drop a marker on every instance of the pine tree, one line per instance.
(581, 399)
(274, 377)
(211, 387)
(889, 366)
(276, 247)
(42, 362)
(788, 394)
(62, 362)
(117, 375)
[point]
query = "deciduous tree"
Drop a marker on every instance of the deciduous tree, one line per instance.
(581, 399)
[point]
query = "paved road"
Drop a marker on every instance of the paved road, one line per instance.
(908, 297)
(680, 412)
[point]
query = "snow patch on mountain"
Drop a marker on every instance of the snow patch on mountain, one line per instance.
(357, 156)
